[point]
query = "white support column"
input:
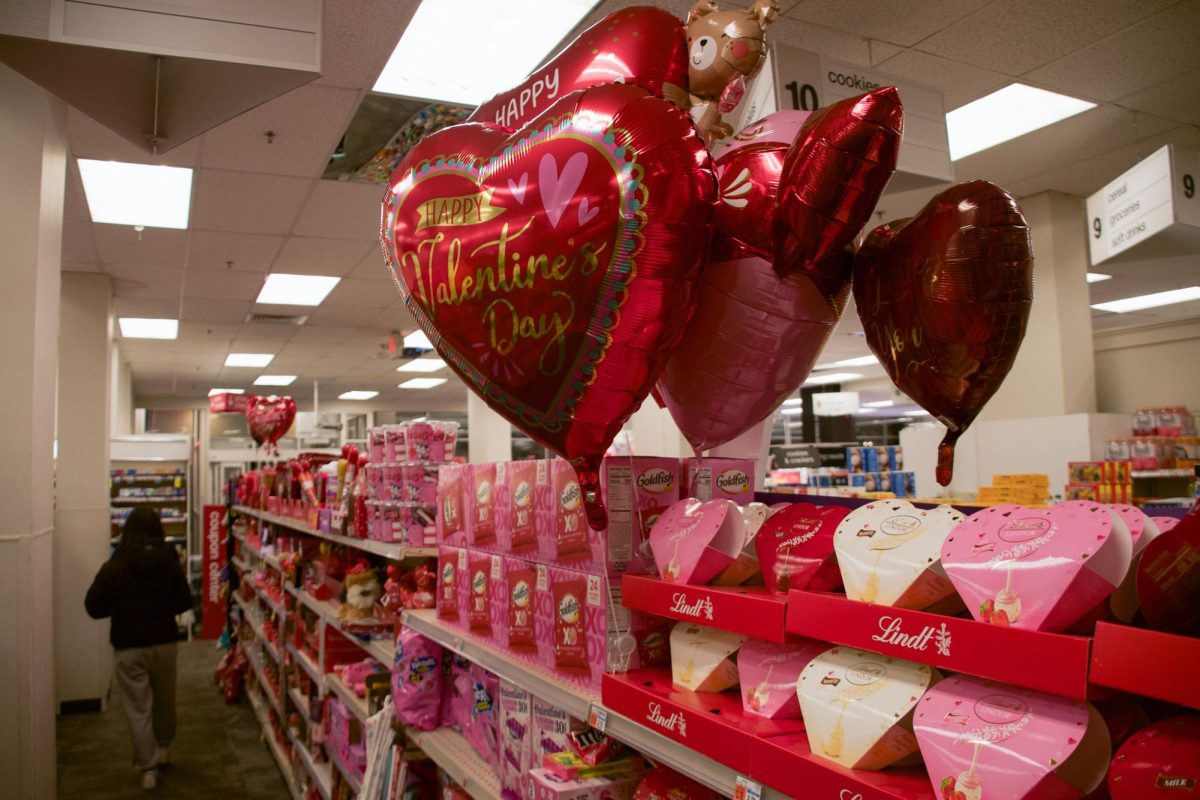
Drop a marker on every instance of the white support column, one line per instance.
(656, 434)
(33, 162)
(490, 434)
(81, 515)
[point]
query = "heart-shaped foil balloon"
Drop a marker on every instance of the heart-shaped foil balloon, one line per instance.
(269, 418)
(833, 177)
(944, 298)
(754, 336)
(554, 267)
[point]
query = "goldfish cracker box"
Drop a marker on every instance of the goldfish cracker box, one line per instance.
(719, 479)
(637, 489)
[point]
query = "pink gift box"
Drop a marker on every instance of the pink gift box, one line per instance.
(483, 572)
(517, 500)
(451, 511)
(514, 607)
(479, 494)
(564, 536)
(451, 599)
(516, 739)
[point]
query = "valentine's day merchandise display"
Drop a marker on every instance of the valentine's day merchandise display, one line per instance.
(401, 476)
(268, 419)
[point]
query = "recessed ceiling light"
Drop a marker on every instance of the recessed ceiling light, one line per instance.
(357, 394)
(880, 404)
(422, 383)
(861, 361)
(1150, 300)
(274, 380)
(1005, 114)
(832, 377)
(144, 328)
(418, 340)
(212, 392)
(296, 290)
(137, 194)
(794, 401)
(791, 410)
(492, 51)
(1096, 277)
(248, 359)
(422, 365)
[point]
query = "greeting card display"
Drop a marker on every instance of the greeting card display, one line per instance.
(982, 739)
(693, 541)
(1161, 761)
(888, 552)
(1037, 568)
(702, 659)
(796, 548)
(768, 673)
(857, 706)
(744, 569)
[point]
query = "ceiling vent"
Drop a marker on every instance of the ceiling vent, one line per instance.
(277, 319)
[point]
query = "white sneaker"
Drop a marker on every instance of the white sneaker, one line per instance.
(163, 757)
(150, 779)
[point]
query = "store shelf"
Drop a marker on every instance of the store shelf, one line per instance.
(307, 664)
(396, 552)
(382, 650)
(268, 734)
(299, 701)
(356, 704)
(321, 774)
(455, 755)
(143, 501)
(1162, 473)
(953, 643)
(256, 665)
(750, 611)
(1121, 655)
(351, 778)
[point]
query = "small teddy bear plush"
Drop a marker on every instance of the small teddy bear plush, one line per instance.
(724, 49)
(360, 592)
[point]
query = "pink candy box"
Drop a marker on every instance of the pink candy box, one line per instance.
(564, 536)
(451, 598)
(479, 504)
(516, 740)
(420, 483)
(1041, 569)
(394, 448)
(521, 481)
(570, 625)
(514, 607)
(547, 786)
(483, 571)
(551, 727)
(768, 673)
(693, 542)
(451, 507)
(1142, 531)
(719, 479)
(637, 490)
(981, 740)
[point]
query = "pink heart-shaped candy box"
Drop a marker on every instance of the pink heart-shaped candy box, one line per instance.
(795, 547)
(980, 739)
(693, 541)
(768, 672)
(1142, 531)
(1039, 569)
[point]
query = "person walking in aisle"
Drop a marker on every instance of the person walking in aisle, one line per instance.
(142, 587)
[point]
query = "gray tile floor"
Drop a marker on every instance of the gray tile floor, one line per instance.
(218, 753)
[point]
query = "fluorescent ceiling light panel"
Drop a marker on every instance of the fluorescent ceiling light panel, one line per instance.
(248, 359)
(137, 194)
(212, 392)
(867, 410)
(1005, 114)
(793, 401)
(832, 377)
(1155, 300)
(880, 404)
(791, 410)
(491, 50)
(861, 361)
(1096, 277)
(145, 328)
(274, 380)
(283, 289)
(422, 365)
(418, 340)
(422, 383)
(357, 394)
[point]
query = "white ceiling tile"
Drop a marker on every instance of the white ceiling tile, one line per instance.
(153, 247)
(230, 285)
(81, 266)
(200, 309)
(960, 83)
(342, 210)
(131, 306)
(248, 252)
(324, 334)
(268, 332)
(362, 294)
(219, 332)
(372, 265)
(1016, 36)
(1175, 98)
(904, 23)
(307, 123)
(135, 280)
(827, 40)
(882, 51)
(89, 139)
(306, 255)
(246, 202)
(348, 315)
(358, 38)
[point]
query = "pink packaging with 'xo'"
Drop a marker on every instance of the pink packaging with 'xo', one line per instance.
(451, 599)
(480, 570)
(719, 479)
(514, 607)
(522, 477)
(451, 511)
(564, 536)
(570, 616)
(637, 490)
(479, 506)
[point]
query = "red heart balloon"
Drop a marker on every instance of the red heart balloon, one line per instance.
(944, 298)
(554, 268)
(269, 418)
(754, 336)
(643, 46)
(834, 175)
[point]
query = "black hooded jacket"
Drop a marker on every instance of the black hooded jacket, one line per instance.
(142, 592)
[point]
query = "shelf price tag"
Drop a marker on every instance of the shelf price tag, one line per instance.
(457, 645)
(597, 717)
(746, 789)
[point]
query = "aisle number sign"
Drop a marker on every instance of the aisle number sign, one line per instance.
(1157, 193)
(802, 80)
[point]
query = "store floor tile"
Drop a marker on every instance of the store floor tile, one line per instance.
(218, 752)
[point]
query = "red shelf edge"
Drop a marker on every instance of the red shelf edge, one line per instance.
(1147, 663)
(750, 611)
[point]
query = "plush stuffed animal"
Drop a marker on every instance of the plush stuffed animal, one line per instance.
(724, 49)
(360, 591)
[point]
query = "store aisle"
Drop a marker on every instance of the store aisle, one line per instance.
(218, 754)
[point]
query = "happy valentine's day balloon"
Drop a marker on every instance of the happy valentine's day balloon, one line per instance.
(834, 175)
(641, 46)
(944, 298)
(554, 267)
(269, 418)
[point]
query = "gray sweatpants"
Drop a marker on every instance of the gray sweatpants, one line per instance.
(144, 678)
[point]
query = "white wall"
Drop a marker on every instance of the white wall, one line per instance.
(1157, 366)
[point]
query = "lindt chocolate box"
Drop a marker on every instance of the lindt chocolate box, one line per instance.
(719, 479)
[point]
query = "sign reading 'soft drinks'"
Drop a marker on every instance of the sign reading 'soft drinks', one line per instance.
(1154, 195)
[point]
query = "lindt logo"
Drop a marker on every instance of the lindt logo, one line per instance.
(657, 480)
(568, 609)
(674, 722)
(890, 632)
(734, 481)
(699, 608)
(479, 582)
(523, 495)
(571, 496)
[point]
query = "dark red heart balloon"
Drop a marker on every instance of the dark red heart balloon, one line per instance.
(554, 268)
(269, 418)
(834, 175)
(944, 298)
